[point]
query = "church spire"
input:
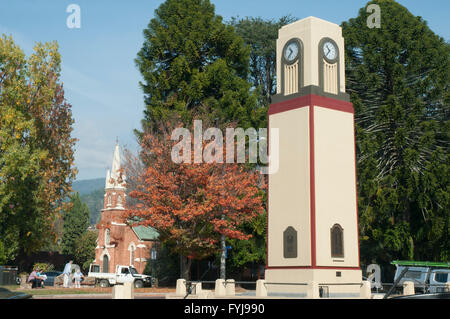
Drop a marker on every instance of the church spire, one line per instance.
(115, 178)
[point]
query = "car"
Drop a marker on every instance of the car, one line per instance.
(51, 275)
(8, 294)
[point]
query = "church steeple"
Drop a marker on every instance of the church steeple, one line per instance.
(115, 178)
(115, 185)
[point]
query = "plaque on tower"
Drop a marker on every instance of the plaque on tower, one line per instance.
(312, 195)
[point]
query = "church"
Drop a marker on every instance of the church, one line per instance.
(119, 242)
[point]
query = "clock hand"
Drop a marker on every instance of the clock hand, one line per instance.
(290, 53)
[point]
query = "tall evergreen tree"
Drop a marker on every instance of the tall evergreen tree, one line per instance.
(76, 222)
(261, 36)
(398, 77)
(191, 62)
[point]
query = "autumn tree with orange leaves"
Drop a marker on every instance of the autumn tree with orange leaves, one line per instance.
(193, 205)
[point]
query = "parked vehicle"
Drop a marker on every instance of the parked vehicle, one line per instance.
(123, 274)
(438, 280)
(428, 277)
(8, 294)
(51, 275)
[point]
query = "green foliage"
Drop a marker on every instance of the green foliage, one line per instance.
(76, 222)
(261, 36)
(36, 149)
(245, 252)
(2, 254)
(194, 65)
(166, 267)
(44, 267)
(94, 202)
(84, 253)
(398, 78)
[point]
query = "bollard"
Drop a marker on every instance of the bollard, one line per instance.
(230, 289)
(366, 290)
(220, 288)
(408, 288)
(128, 290)
(118, 292)
(261, 289)
(312, 291)
(181, 287)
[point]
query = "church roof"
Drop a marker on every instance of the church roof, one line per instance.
(146, 233)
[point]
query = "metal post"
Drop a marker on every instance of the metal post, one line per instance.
(222, 257)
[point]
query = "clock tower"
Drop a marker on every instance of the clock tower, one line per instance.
(312, 242)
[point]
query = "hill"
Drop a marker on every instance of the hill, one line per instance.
(87, 186)
(92, 193)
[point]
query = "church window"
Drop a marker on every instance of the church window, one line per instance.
(107, 236)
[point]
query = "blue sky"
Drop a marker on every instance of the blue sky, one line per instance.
(98, 70)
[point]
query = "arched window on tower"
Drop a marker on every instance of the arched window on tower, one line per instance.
(109, 201)
(107, 236)
(337, 241)
(119, 201)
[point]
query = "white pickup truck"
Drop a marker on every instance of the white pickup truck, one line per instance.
(428, 277)
(123, 274)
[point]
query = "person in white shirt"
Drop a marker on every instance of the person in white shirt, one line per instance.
(67, 272)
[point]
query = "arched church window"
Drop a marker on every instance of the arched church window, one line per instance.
(109, 200)
(337, 241)
(107, 236)
(105, 264)
(119, 201)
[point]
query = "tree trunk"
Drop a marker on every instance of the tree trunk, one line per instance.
(185, 267)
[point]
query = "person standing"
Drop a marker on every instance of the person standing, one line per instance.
(67, 272)
(77, 276)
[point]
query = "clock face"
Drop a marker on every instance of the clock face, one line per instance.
(291, 51)
(330, 51)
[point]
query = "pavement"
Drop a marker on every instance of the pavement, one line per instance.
(100, 296)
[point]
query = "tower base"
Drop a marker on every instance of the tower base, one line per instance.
(313, 283)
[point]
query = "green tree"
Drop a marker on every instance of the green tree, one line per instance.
(193, 63)
(244, 253)
(398, 77)
(261, 37)
(36, 148)
(84, 253)
(76, 223)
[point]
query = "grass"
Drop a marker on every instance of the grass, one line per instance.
(80, 291)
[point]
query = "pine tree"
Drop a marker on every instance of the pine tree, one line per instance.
(76, 222)
(398, 77)
(194, 64)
